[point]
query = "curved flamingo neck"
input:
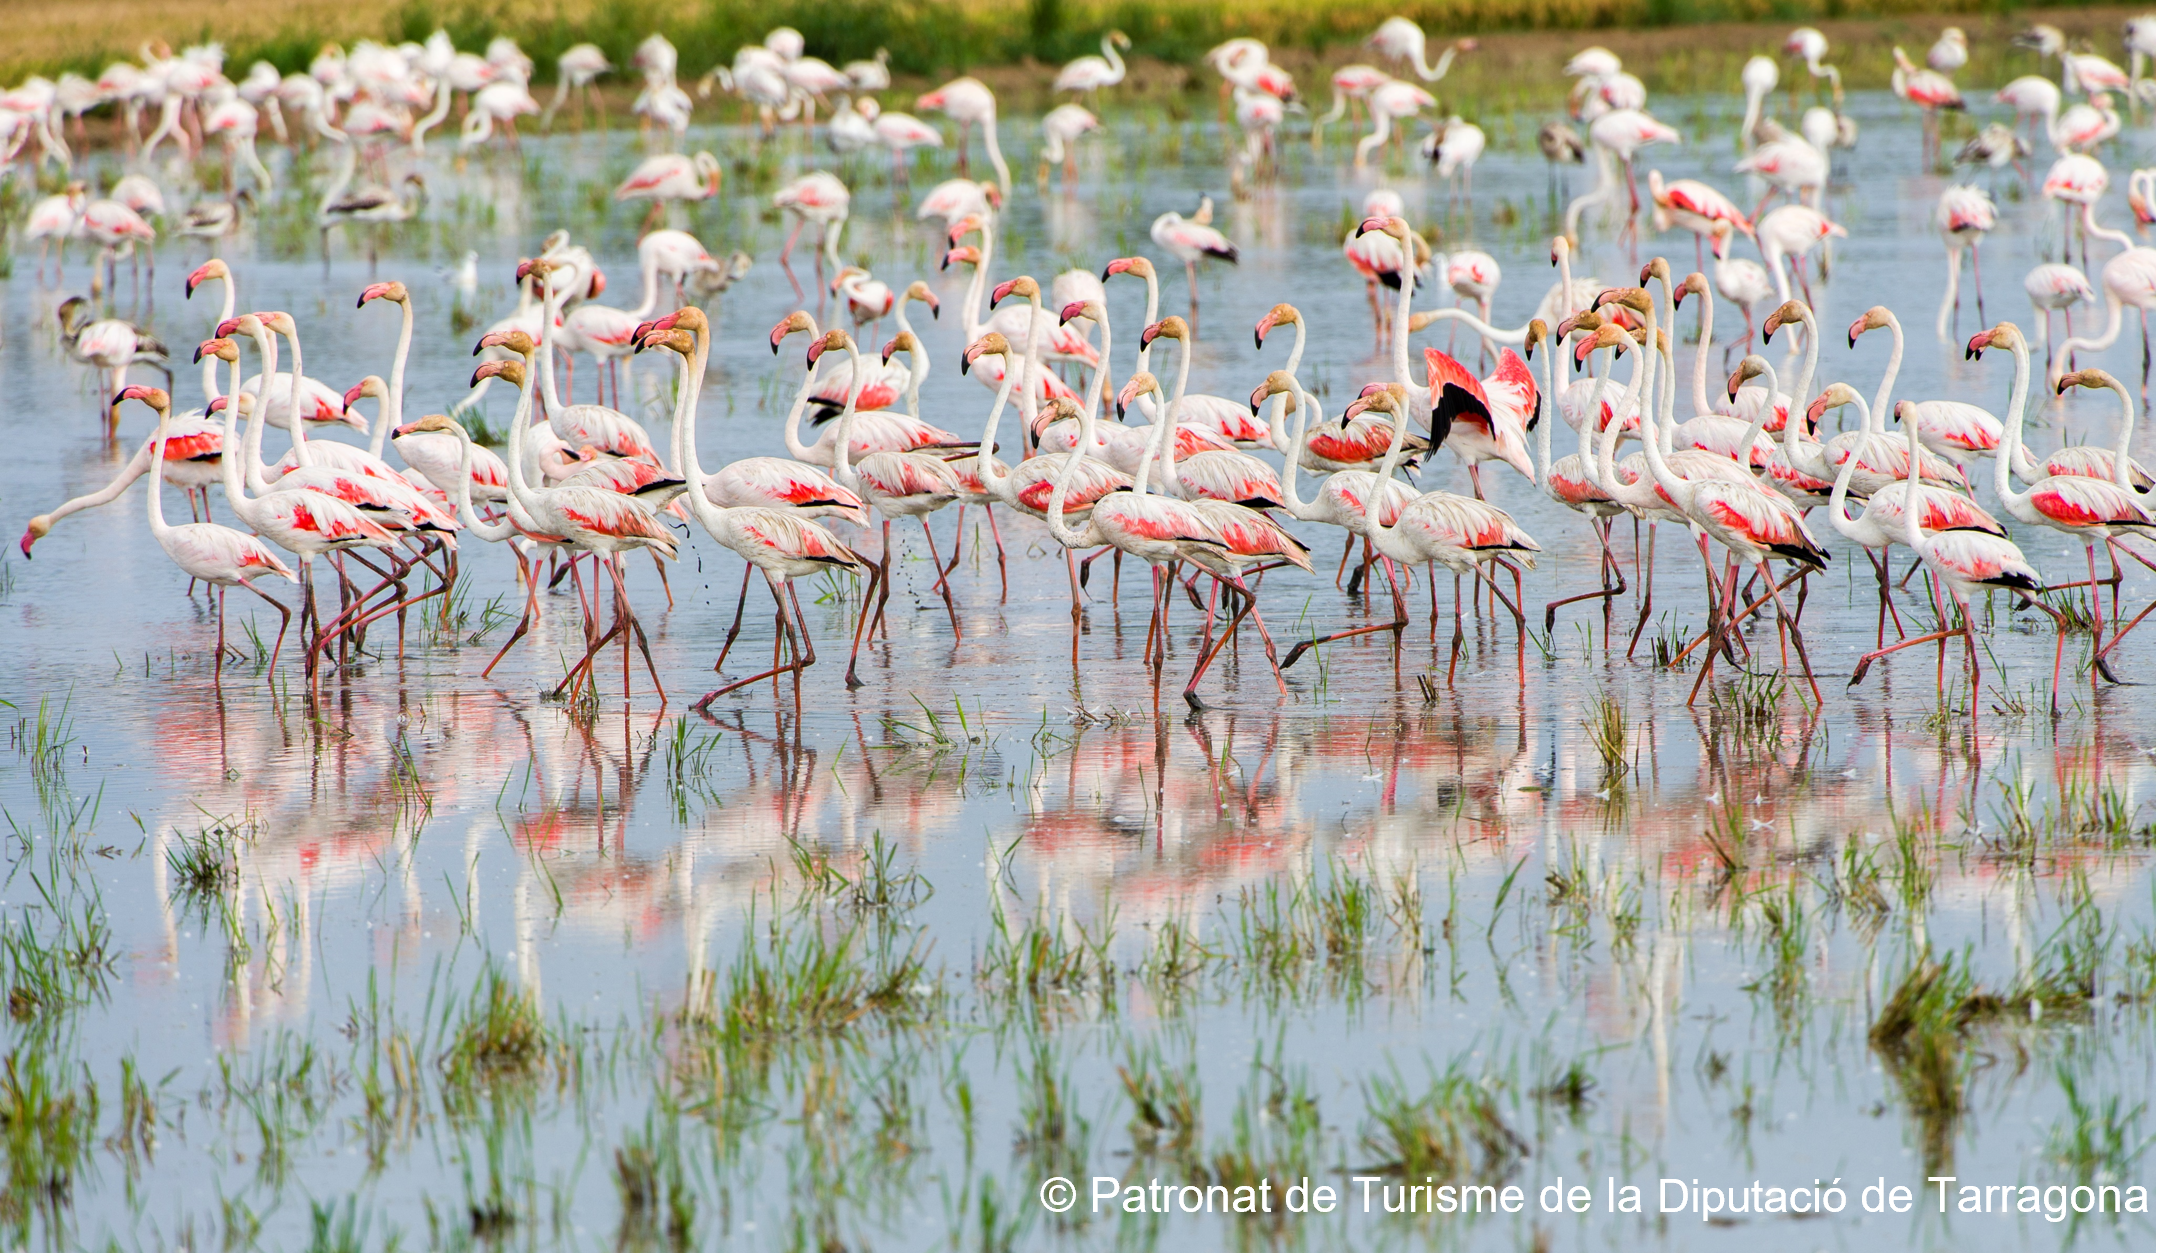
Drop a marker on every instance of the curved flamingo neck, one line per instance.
(1167, 420)
(156, 510)
(1895, 363)
(550, 317)
(989, 470)
(1701, 398)
(520, 490)
(1152, 315)
(1839, 495)
(709, 515)
(1088, 438)
(797, 447)
(2013, 431)
(847, 423)
(390, 409)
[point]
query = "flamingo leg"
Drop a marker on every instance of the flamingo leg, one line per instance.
(947, 597)
(1858, 674)
(856, 636)
(779, 587)
(735, 628)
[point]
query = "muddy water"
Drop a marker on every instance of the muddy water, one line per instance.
(1371, 928)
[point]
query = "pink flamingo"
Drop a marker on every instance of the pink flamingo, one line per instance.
(221, 556)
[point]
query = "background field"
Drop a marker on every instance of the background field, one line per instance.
(1522, 42)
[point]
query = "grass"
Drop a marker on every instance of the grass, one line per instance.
(1454, 1128)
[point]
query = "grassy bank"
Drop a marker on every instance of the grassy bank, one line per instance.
(1012, 41)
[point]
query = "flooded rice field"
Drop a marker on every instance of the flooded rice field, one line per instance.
(1000, 952)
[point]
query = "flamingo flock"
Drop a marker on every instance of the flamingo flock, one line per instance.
(1204, 488)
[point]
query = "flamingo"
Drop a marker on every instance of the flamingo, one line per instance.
(1882, 523)
(1220, 417)
(899, 133)
(1191, 241)
(1454, 146)
(1790, 165)
(1787, 234)
(2034, 99)
(1752, 525)
(109, 345)
(1995, 146)
(869, 74)
(1965, 214)
(670, 176)
(2119, 473)
(578, 425)
(2052, 286)
(1400, 39)
(2075, 179)
(1352, 84)
(306, 523)
(1479, 421)
(2094, 510)
(875, 430)
(957, 199)
(1760, 77)
(1160, 529)
(603, 523)
(1087, 75)
(776, 542)
(2127, 279)
(192, 454)
(1951, 427)
(893, 484)
(1688, 204)
(1950, 52)
(968, 102)
(53, 221)
(1571, 483)
(1807, 44)
(1376, 255)
(1435, 528)
(1390, 101)
(814, 199)
(1063, 126)
(1966, 562)
(1932, 92)
(220, 556)
(578, 67)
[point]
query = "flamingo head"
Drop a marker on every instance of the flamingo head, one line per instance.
(2087, 378)
(517, 342)
(222, 348)
(1833, 396)
(1022, 285)
(395, 291)
(1535, 334)
(904, 341)
(432, 423)
(1284, 314)
(1790, 312)
(670, 338)
(1075, 309)
(836, 340)
(1582, 320)
(152, 396)
(2002, 335)
(279, 323)
(242, 322)
(1135, 267)
(919, 291)
(931, 100)
(1748, 369)
(1384, 222)
(371, 385)
(37, 530)
(968, 254)
(1170, 327)
(1056, 410)
(1140, 384)
(1656, 271)
(992, 193)
(1637, 299)
(965, 225)
(215, 268)
(848, 273)
(798, 322)
(506, 371)
(689, 318)
(991, 342)
(1280, 381)
(1420, 321)
(1375, 398)
(1558, 250)
(1693, 284)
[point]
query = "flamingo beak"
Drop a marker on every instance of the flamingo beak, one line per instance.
(350, 397)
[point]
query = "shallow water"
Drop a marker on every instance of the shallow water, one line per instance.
(1373, 928)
